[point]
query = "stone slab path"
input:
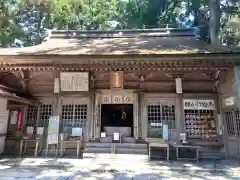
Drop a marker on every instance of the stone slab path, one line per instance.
(114, 167)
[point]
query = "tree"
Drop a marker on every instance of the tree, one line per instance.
(215, 16)
(35, 19)
(84, 14)
(230, 23)
(9, 28)
(30, 19)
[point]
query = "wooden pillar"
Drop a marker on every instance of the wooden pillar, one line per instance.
(180, 119)
(179, 114)
(144, 116)
(97, 115)
(136, 115)
(91, 122)
(139, 115)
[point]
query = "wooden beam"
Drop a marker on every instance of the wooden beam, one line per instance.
(157, 81)
(11, 89)
(22, 100)
(196, 58)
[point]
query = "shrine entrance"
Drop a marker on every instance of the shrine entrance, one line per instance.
(117, 118)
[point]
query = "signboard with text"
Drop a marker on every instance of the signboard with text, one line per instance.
(117, 99)
(74, 81)
(53, 130)
(198, 104)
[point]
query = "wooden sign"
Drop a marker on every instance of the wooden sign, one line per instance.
(71, 81)
(117, 99)
(116, 80)
(198, 104)
(178, 85)
(230, 101)
(56, 85)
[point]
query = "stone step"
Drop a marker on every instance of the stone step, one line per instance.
(132, 145)
(106, 139)
(120, 148)
(97, 150)
(98, 145)
(128, 140)
(131, 151)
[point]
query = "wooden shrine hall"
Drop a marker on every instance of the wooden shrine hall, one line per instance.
(127, 81)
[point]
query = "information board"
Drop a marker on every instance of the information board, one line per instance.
(77, 132)
(165, 132)
(74, 81)
(53, 130)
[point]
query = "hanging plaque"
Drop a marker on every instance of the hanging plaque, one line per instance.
(199, 104)
(230, 101)
(178, 85)
(116, 80)
(71, 81)
(117, 99)
(13, 116)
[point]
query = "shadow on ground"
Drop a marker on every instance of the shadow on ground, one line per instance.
(109, 169)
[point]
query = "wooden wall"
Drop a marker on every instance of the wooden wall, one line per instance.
(41, 81)
(148, 81)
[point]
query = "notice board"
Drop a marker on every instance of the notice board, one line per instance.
(53, 130)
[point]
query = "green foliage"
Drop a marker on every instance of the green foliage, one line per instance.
(114, 14)
(83, 14)
(8, 29)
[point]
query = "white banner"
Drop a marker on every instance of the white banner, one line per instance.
(71, 81)
(198, 104)
(53, 130)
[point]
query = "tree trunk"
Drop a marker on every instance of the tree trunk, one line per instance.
(196, 6)
(214, 25)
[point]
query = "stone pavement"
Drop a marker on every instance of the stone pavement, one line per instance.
(114, 167)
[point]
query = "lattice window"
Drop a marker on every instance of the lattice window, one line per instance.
(168, 115)
(67, 115)
(32, 115)
(229, 117)
(44, 115)
(73, 116)
(154, 115)
(237, 115)
(80, 115)
(158, 114)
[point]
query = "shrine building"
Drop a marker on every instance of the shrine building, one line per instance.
(127, 81)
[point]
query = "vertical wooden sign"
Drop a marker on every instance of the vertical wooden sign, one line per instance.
(116, 80)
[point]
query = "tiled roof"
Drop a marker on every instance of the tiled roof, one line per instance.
(154, 41)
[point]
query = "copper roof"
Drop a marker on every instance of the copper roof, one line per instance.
(158, 41)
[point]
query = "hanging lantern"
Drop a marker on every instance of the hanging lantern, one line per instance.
(124, 116)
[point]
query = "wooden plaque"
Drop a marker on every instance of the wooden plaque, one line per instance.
(116, 80)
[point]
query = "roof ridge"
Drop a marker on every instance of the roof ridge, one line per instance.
(126, 33)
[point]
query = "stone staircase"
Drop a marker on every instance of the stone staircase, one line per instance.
(127, 146)
(131, 148)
